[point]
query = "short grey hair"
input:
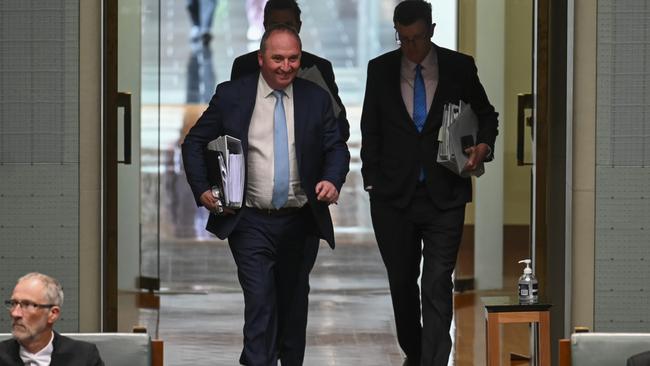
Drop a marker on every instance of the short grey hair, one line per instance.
(53, 290)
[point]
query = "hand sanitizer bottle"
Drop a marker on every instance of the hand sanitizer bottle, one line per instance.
(527, 285)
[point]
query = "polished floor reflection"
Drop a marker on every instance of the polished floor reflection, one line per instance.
(350, 322)
(200, 316)
(350, 319)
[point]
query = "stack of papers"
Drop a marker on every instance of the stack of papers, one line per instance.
(226, 169)
(458, 132)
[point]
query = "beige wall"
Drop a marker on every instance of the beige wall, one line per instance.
(90, 166)
(584, 163)
(518, 80)
(467, 26)
(517, 71)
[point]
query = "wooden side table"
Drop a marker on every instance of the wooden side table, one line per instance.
(506, 309)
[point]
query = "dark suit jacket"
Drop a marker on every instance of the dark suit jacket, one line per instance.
(393, 151)
(247, 64)
(642, 359)
(67, 352)
(321, 153)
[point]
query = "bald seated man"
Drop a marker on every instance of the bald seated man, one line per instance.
(35, 306)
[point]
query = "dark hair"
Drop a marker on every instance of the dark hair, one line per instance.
(410, 11)
(281, 5)
(278, 28)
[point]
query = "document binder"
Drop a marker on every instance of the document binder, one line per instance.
(225, 159)
(458, 132)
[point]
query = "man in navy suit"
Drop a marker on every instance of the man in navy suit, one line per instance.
(34, 307)
(312, 67)
(418, 206)
(296, 163)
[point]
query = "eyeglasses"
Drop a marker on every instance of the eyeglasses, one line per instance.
(26, 305)
(416, 39)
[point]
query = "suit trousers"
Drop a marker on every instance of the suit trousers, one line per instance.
(274, 256)
(404, 237)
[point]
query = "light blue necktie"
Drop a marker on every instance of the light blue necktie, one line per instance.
(419, 105)
(280, 153)
(419, 99)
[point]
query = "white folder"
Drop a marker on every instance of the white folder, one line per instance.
(459, 124)
(230, 165)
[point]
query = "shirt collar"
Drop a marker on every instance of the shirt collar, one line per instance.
(429, 60)
(41, 357)
(267, 91)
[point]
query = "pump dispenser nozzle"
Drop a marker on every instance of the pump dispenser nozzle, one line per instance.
(527, 270)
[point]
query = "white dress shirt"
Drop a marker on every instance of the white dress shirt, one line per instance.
(259, 189)
(40, 358)
(429, 74)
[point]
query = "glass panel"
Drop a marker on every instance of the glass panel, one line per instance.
(138, 183)
(151, 168)
(348, 33)
(150, 139)
(198, 49)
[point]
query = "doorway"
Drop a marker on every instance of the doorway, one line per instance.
(171, 75)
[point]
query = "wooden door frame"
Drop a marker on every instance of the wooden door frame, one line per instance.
(109, 167)
(550, 167)
(541, 139)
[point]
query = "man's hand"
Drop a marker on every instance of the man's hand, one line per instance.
(208, 201)
(326, 192)
(477, 155)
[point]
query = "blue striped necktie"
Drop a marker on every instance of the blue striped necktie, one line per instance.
(280, 153)
(419, 99)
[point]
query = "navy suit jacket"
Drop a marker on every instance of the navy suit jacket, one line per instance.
(248, 64)
(392, 149)
(67, 352)
(321, 152)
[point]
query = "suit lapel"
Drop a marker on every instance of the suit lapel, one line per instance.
(440, 96)
(444, 75)
(299, 117)
(395, 74)
(56, 351)
(14, 351)
(247, 104)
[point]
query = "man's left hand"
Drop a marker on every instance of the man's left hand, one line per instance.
(326, 192)
(477, 155)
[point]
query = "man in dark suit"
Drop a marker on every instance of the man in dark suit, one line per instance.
(312, 67)
(641, 359)
(417, 205)
(296, 163)
(35, 306)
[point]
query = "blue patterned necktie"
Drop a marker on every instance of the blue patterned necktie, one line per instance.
(419, 99)
(419, 105)
(280, 153)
